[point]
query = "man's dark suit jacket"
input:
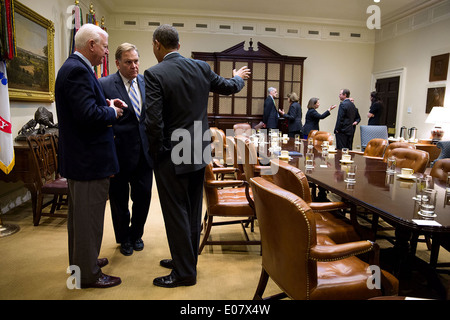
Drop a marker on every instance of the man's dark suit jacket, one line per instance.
(86, 139)
(129, 134)
(347, 114)
(294, 117)
(173, 104)
(270, 115)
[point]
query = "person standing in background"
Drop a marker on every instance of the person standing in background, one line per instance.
(376, 109)
(294, 116)
(270, 115)
(86, 152)
(313, 117)
(347, 114)
(131, 142)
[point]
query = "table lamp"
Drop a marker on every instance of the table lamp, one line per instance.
(439, 116)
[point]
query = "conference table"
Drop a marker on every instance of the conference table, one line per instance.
(384, 195)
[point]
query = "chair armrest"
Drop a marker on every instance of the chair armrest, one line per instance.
(372, 157)
(224, 183)
(224, 170)
(327, 206)
(356, 152)
(341, 251)
(263, 170)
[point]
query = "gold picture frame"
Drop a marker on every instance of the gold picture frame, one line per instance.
(31, 73)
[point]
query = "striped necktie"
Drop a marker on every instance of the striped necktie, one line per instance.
(134, 99)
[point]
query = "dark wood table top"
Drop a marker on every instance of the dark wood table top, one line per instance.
(387, 195)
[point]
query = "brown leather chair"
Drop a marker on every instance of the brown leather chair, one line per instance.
(218, 146)
(440, 169)
(250, 160)
(312, 133)
(226, 198)
(334, 225)
(376, 148)
(321, 136)
(47, 180)
(244, 129)
(232, 158)
(303, 265)
(395, 145)
(411, 158)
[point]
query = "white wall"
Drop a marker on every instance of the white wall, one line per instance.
(412, 51)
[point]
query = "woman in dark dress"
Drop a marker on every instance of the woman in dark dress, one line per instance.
(294, 115)
(313, 117)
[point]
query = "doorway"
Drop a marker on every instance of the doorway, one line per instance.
(388, 91)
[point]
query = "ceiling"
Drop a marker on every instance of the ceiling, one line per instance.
(351, 12)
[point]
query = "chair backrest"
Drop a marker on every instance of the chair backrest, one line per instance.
(445, 149)
(411, 158)
(244, 129)
(247, 154)
(44, 157)
(395, 145)
(441, 169)
(291, 179)
(218, 143)
(288, 231)
(376, 147)
(321, 136)
(232, 158)
(211, 193)
(371, 132)
(312, 133)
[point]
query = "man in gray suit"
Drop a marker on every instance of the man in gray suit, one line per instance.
(177, 91)
(135, 164)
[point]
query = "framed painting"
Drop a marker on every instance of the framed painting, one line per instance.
(435, 98)
(439, 67)
(31, 73)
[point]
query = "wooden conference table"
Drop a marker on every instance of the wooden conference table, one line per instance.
(387, 196)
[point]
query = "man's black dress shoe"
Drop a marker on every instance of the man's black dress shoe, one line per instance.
(104, 281)
(126, 248)
(171, 281)
(102, 262)
(138, 245)
(166, 263)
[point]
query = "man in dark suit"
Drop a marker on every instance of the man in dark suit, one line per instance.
(132, 150)
(177, 91)
(347, 114)
(87, 155)
(270, 115)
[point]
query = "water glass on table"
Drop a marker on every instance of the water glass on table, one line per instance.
(309, 160)
(390, 165)
(428, 203)
(350, 173)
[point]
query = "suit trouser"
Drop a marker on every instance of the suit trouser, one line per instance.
(181, 197)
(87, 201)
(140, 181)
(343, 140)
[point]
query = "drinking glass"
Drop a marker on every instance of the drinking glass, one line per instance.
(297, 139)
(390, 165)
(428, 203)
(344, 150)
(309, 160)
(350, 174)
(422, 183)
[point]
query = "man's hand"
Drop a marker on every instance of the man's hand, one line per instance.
(118, 105)
(243, 72)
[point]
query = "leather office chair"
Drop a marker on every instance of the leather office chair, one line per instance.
(411, 158)
(440, 169)
(247, 154)
(47, 180)
(320, 136)
(244, 129)
(312, 133)
(395, 145)
(334, 225)
(232, 158)
(226, 198)
(445, 150)
(376, 148)
(306, 266)
(371, 132)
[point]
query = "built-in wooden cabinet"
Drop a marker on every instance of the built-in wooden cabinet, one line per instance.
(269, 69)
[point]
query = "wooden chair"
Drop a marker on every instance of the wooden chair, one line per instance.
(411, 158)
(47, 179)
(303, 265)
(329, 221)
(226, 198)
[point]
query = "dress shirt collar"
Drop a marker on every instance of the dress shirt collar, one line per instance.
(84, 59)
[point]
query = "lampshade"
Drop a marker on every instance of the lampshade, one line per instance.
(439, 115)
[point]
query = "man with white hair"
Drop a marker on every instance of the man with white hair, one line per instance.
(87, 155)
